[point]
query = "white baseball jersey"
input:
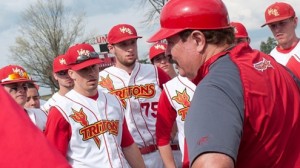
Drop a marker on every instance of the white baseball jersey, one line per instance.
(96, 130)
(51, 102)
(180, 91)
(38, 117)
(284, 57)
(139, 93)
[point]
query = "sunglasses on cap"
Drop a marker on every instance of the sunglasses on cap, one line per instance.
(16, 76)
(62, 73)
(82, 58)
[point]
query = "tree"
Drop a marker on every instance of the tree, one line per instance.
(267, 47)
(153, 14)
(144, 61)
(47, 30)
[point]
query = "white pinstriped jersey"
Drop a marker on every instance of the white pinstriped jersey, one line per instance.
(96, 130)
(38, 117)
(139, 93)
(51, 102)
(180, 91)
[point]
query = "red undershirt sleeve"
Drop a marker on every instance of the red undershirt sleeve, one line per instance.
(163, 77)
(166, 116)
(127, 139)
(58, 130)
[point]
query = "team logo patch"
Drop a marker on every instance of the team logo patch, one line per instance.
(263, 65)
(62, 61)
(92, 131)
(159, 46)
(125, 30)
(136, 91)
(273, 11)
(183, 99)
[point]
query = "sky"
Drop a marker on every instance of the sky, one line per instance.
(101, 15)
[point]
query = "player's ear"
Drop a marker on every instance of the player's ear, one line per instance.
(71, 74)
(199, 38)
(110, 47)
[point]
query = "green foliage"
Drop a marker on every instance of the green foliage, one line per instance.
(144, 61)
(267, 47)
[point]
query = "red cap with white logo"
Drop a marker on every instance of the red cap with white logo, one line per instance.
(80, 56)
(239, 30)
(277, 12)
(156, 49)
(121, 32)
(13, 74)
(60, 63)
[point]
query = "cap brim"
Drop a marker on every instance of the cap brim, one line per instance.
(85, 64)
(126, 38)
(163, 33)
(60, 69)
(16, 81)
(276, 20)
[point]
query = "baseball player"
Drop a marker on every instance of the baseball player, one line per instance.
(282, 21)
(244, 112)
(60, 73)
(22, 144)
(33, 97)
(240, 33)
(138, 86)
(86, 125)
(173, 106)
(14, 80)
(158, 58)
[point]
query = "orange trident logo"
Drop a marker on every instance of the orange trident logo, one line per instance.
(107, 83)
(183, 99)
(80, 117)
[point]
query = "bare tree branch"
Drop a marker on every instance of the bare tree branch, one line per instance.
(152, 15)
(47, 30)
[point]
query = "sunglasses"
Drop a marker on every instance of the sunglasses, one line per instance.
(62, 73)
(16, 76)
(82, 58)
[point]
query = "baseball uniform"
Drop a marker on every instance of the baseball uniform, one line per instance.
(173, 105)
(89, 131)
(38, 117)
(139, 94)
(289, 58)
(51, 102)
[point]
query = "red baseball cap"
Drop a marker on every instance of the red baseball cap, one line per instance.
(121, 32)
(80, 56)
(13, 74)
(157, 49)
(60, 63)
(239, 30)
(277, 12)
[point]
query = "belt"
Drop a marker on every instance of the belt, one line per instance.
(175, 147)
(148, 149)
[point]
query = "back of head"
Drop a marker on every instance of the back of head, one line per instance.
(179, 15)
(277, 12)
(157, 49)
(239, 30)
(121, 32)
(13, 74)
